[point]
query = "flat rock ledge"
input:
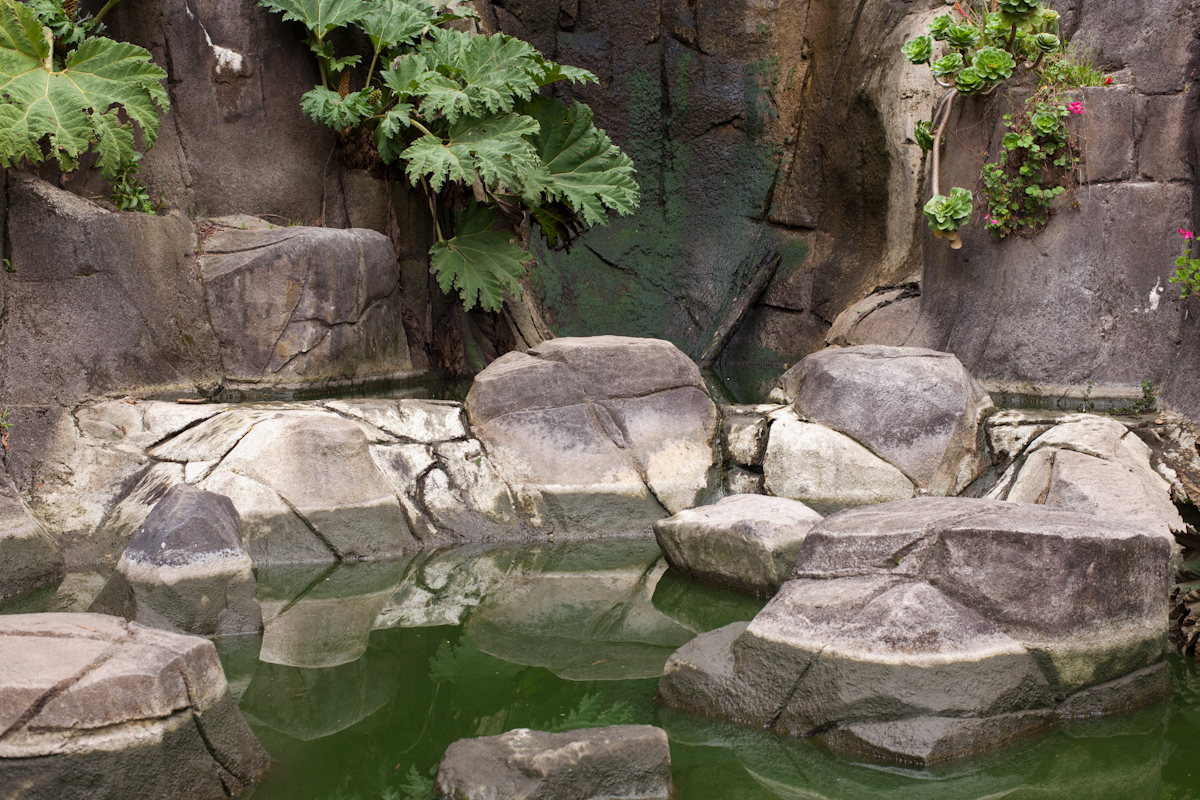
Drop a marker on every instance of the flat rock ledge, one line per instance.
(931, 629)
(618, 762)
(92, 707)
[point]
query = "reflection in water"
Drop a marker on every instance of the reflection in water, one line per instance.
(376, 727)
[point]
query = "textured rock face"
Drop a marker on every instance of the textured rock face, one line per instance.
(747, 542)
(186, 569)
(918, 409)
(933, 628)
(604, 433)
(30, 557)
(619, 761)
(97, 707)
(297, 303)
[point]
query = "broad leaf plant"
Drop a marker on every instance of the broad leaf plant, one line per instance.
(460, 111)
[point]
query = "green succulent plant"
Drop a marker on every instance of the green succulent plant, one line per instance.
(1045, 42)
(962, 37)
(1049, 20)
(939, 29)
(996, 29)
(947, 214)
(1044, 123)
(923, 136)
(993, 64)
(946, 65)
(918, 50)
(968, 81)
(1017, 8)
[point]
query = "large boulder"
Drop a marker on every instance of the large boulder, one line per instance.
(303, 304)
(619, 761)
(606, 434)
(748, 541)
(93, 706)
(186, 569)
(30, 557)
(933, 628)
(918, 409)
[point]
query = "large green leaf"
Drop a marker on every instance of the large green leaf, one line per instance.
(330, 108)
(478, 262)
(477, 75)
(393, 21)
(583, 168)
(77, 106)
(496, 147)
(320, 16)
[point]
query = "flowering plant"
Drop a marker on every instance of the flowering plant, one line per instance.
(1188, 274)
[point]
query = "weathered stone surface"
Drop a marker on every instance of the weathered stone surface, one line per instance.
(30, 557)
(825, 469)
(936, 627)
(743, 481)
(747, 542)
(94, 706)
(441, 588)
(744, 433)
(186, 569)
(605, 432)
(424, 421)
(304, 303)
(618, 761)
(918, 409)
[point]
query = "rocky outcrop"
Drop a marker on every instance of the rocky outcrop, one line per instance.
(933, 628)
(747, 542)
(918, 409)
(186, 570)
(93, 706)
(31, 558)
(619, 761)
(600, 435)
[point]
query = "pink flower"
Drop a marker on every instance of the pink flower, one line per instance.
(1108, 80)
(1075, 108)
(1186, 234)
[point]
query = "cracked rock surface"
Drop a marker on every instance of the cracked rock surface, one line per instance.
(93, 706)
(929, 629)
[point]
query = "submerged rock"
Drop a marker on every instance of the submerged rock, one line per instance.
(186, 569)
(30, 557)
(933, 628)
(747, 542)
(93, 706)
(618, 761)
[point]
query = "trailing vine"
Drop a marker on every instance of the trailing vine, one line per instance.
(464, 115)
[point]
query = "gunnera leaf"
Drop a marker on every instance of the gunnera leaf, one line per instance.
(319, 16)
(76, 107)
(479, 263)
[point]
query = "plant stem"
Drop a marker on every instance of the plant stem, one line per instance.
(937, 138)
(1036, 63)
(371, 69)
(107, 7)
(1012, 37)
(431, 197)
(422, 128)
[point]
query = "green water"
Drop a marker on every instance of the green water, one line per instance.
(472, 642)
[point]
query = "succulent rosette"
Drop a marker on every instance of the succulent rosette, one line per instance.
(1043, 123)
(918, 50)
(993, 64)
(1017, 8)
(962, 37)
(968, 81)
(1049, 20)
(1045, 42)
(947, 214)
(923, 136)
(940, 27)
(946, 65)
(996, 29)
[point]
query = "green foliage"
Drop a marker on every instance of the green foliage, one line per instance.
(463, 115)
(917, 50)
(417, 786)
(962, 37)
(591, 713)
(67, 89)
(923, 136)
(1017, 8)
(948, 213)
(993, 64)
(1072, 68)
(128, 194)
(939, 29)
(946, 66)
(1035, 164)
(1188, 274)
(1143, 405)
(969, 81)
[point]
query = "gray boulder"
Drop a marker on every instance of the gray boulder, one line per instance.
(605, 433)
(748, 541)
(30, 557)
(612, 763)
(918, 409)
(298, 303)
(933, 628)
(186, 570)
(825, 469)
(94, 706)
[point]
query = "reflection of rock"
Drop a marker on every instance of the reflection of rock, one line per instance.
(700, 607)
(746, 541)
(93, 706)
(30, 557)
(593, 764)
(308, 704)
(321, 618)
(586, 613)
(186, 570)
(443, 586)
(929, 629)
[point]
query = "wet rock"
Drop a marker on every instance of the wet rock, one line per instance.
(744, 433)
(186, 570)
(605, 432)
(747, 542)
(301, 303)
(918, 409)
(31, 559)
(94, 706)
(618, 761)
(825, 469)
(933, 628)
(743, 481)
